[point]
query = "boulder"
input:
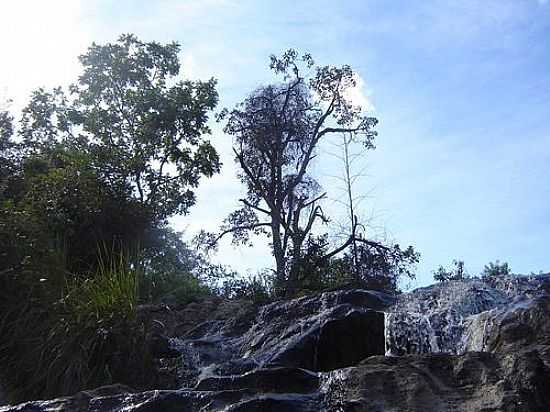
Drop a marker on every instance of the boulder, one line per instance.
(474, 381)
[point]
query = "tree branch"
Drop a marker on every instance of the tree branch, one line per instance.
(349, 242)
(240, 227)
(259, 209)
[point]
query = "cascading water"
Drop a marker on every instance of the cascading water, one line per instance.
(454, 317)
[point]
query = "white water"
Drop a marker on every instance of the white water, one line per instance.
(454, 317)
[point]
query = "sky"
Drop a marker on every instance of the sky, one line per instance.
(461, 90)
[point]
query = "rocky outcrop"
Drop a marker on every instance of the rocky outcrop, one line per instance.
(460, 316)
(321, 333)
(475, 381)
(456, 346)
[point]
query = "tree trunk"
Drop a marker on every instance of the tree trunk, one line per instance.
(279, 254)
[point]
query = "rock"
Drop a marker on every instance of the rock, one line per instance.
(160, 347)
(440, 382)
(269, 380)
(104, 397)
(431, 319)
(3, 396)
(459, 316)
(320, 333)
(455, 346)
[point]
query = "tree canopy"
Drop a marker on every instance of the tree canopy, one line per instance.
(142, 128)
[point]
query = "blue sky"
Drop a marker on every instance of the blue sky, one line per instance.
(461, 89)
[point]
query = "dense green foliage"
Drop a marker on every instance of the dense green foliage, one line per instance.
(143, 136)
(87, 182)
(87, 338)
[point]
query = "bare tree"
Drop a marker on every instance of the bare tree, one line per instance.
(377, 265)
(348, 177)
(276, 132)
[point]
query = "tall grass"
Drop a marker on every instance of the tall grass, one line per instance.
(87, 336)
(112, 290)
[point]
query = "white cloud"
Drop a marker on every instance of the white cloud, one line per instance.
(360, 95)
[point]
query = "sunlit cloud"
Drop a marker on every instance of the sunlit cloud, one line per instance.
(360, 95)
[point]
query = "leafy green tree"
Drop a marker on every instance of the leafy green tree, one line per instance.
(6, 130)
(6, 156)
(116, 155)
(97, 167)
(142, 128)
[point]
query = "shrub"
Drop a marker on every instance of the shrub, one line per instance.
(173, 288)
(496, 269)
(256, 288)
(457, 272)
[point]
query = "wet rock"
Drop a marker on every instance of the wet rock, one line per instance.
(102, 397)
(440, 382)
(458, 316)
(456, 346)
(279, 403)
(346, 341)
(3, 396)
(269, 380)
(160, 347)
(318, 333)
(337, 342)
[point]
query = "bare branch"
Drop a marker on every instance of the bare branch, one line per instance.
(236, 228)
(259, 209)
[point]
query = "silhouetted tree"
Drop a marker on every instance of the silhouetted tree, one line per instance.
(276, 131)
(365, 266)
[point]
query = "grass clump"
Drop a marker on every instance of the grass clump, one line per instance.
(89, 336)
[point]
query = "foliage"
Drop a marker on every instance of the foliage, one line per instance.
(377, 268)
(257, 288)
(277, 130)
(495, 270)
(457, 272)
(142, 136)
(84, 334)
(381, 268)
(78, 208)
(173, 272)
(89, 175)
(113, 289)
